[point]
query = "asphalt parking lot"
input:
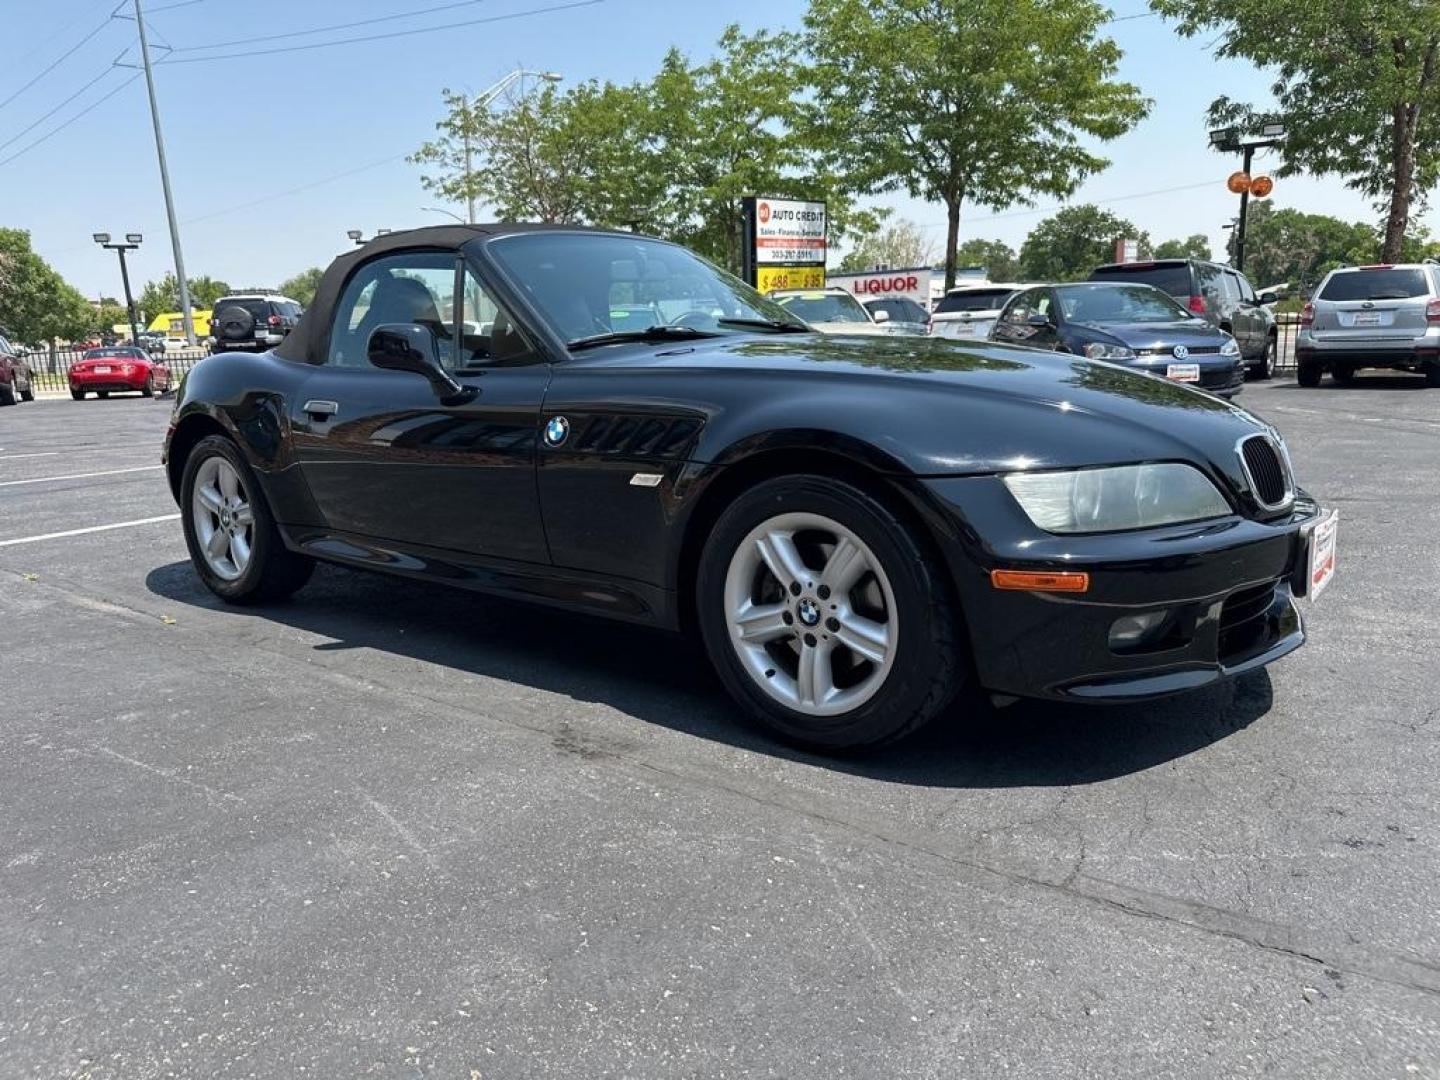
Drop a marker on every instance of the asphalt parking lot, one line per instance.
(387, 830)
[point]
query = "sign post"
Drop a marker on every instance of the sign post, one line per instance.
(784, 244)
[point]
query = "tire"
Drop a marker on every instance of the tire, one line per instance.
(1342, 374)
(7, 393)
(270, 571)
(1432, 375)
(148, 390)
(233, 325)
(28, 394)
(1265, 369)
(894, 602)
(102, 394)
(78, 395)
(1309, 374)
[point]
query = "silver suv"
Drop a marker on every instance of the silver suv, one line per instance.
(1384, 316)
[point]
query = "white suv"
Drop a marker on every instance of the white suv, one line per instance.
(1384, 316)
(832, 311)
(968, 312)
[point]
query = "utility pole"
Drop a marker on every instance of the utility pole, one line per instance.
(185, 309)
(483, 101)
(1244, 205)
(1229, 140)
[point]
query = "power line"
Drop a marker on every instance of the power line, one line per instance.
(25, 131)
(327, 29)
(1097, 202)
(384, 37)
(57, 62)
(296, 190)
(82, 113)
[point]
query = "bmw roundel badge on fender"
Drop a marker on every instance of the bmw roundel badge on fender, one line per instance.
(557, 431)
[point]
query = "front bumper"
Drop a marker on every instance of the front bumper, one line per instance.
(1225, 377)
(1227, 587)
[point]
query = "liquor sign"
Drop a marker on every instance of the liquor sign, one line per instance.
(785, 241)
(914, 283)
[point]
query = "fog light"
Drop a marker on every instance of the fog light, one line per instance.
(1132, 631)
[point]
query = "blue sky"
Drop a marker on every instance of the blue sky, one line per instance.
(251, 130)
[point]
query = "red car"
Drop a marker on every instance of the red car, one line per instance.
(121, 367)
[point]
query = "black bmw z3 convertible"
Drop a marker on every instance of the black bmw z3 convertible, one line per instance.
(855, 527)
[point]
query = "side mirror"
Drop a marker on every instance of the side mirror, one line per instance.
(1038, 321)
(414, 348)
(1267, 298)
(881, 316)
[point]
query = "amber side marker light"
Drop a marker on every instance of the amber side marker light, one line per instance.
(1071, 581)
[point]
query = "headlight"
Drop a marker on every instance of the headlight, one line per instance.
(1097, 350)
(1230, 348)
(1125, 497)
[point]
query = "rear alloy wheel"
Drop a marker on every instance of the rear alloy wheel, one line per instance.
(1265, 369)
(824, 616)
(1309, 374)
(232, 538)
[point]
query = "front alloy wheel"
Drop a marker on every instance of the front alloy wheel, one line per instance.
(811, 614)
(826, 615)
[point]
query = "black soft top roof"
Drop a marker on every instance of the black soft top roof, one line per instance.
(307, 340)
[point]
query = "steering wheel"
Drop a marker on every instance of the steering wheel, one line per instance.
(696, 319)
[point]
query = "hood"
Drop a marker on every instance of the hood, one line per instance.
(1192, 333)
(941, 407)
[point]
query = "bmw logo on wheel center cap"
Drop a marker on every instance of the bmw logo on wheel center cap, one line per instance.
(557, 430)
(808, 612)
(1181, 352)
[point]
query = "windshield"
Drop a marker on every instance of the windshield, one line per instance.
(974, 300)
(1384, 284)
(589, 284)
(824, 307)
(1118, 304)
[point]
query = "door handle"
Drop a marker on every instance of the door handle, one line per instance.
(321, 410)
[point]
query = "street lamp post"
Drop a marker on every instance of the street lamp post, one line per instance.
(358, 236)
(1228, 140)
(132, 241)
(483, 101)
(441, 210)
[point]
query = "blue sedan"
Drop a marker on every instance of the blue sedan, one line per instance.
(1136, 325)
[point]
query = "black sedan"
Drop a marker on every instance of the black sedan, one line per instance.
(854, 527)
(1136, 325)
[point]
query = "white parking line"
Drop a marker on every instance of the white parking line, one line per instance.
(17, 457)
(79, 476)
(91, 529)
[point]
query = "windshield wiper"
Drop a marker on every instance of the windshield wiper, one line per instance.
(660, 332)
(778, 326)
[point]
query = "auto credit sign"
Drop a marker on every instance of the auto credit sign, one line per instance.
(785, 238)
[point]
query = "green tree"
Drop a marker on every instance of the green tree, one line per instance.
(996, 257)
(36, 303)
(159, 297)
(985, 101)
(901, 244)
(1357, 85)
(1072, 242)
(302, 286)
(109, 315)
(1287, 245)
(1195, 246)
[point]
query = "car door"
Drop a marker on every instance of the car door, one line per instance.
(385, 458)
(1019, 323)
(1249, 318)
